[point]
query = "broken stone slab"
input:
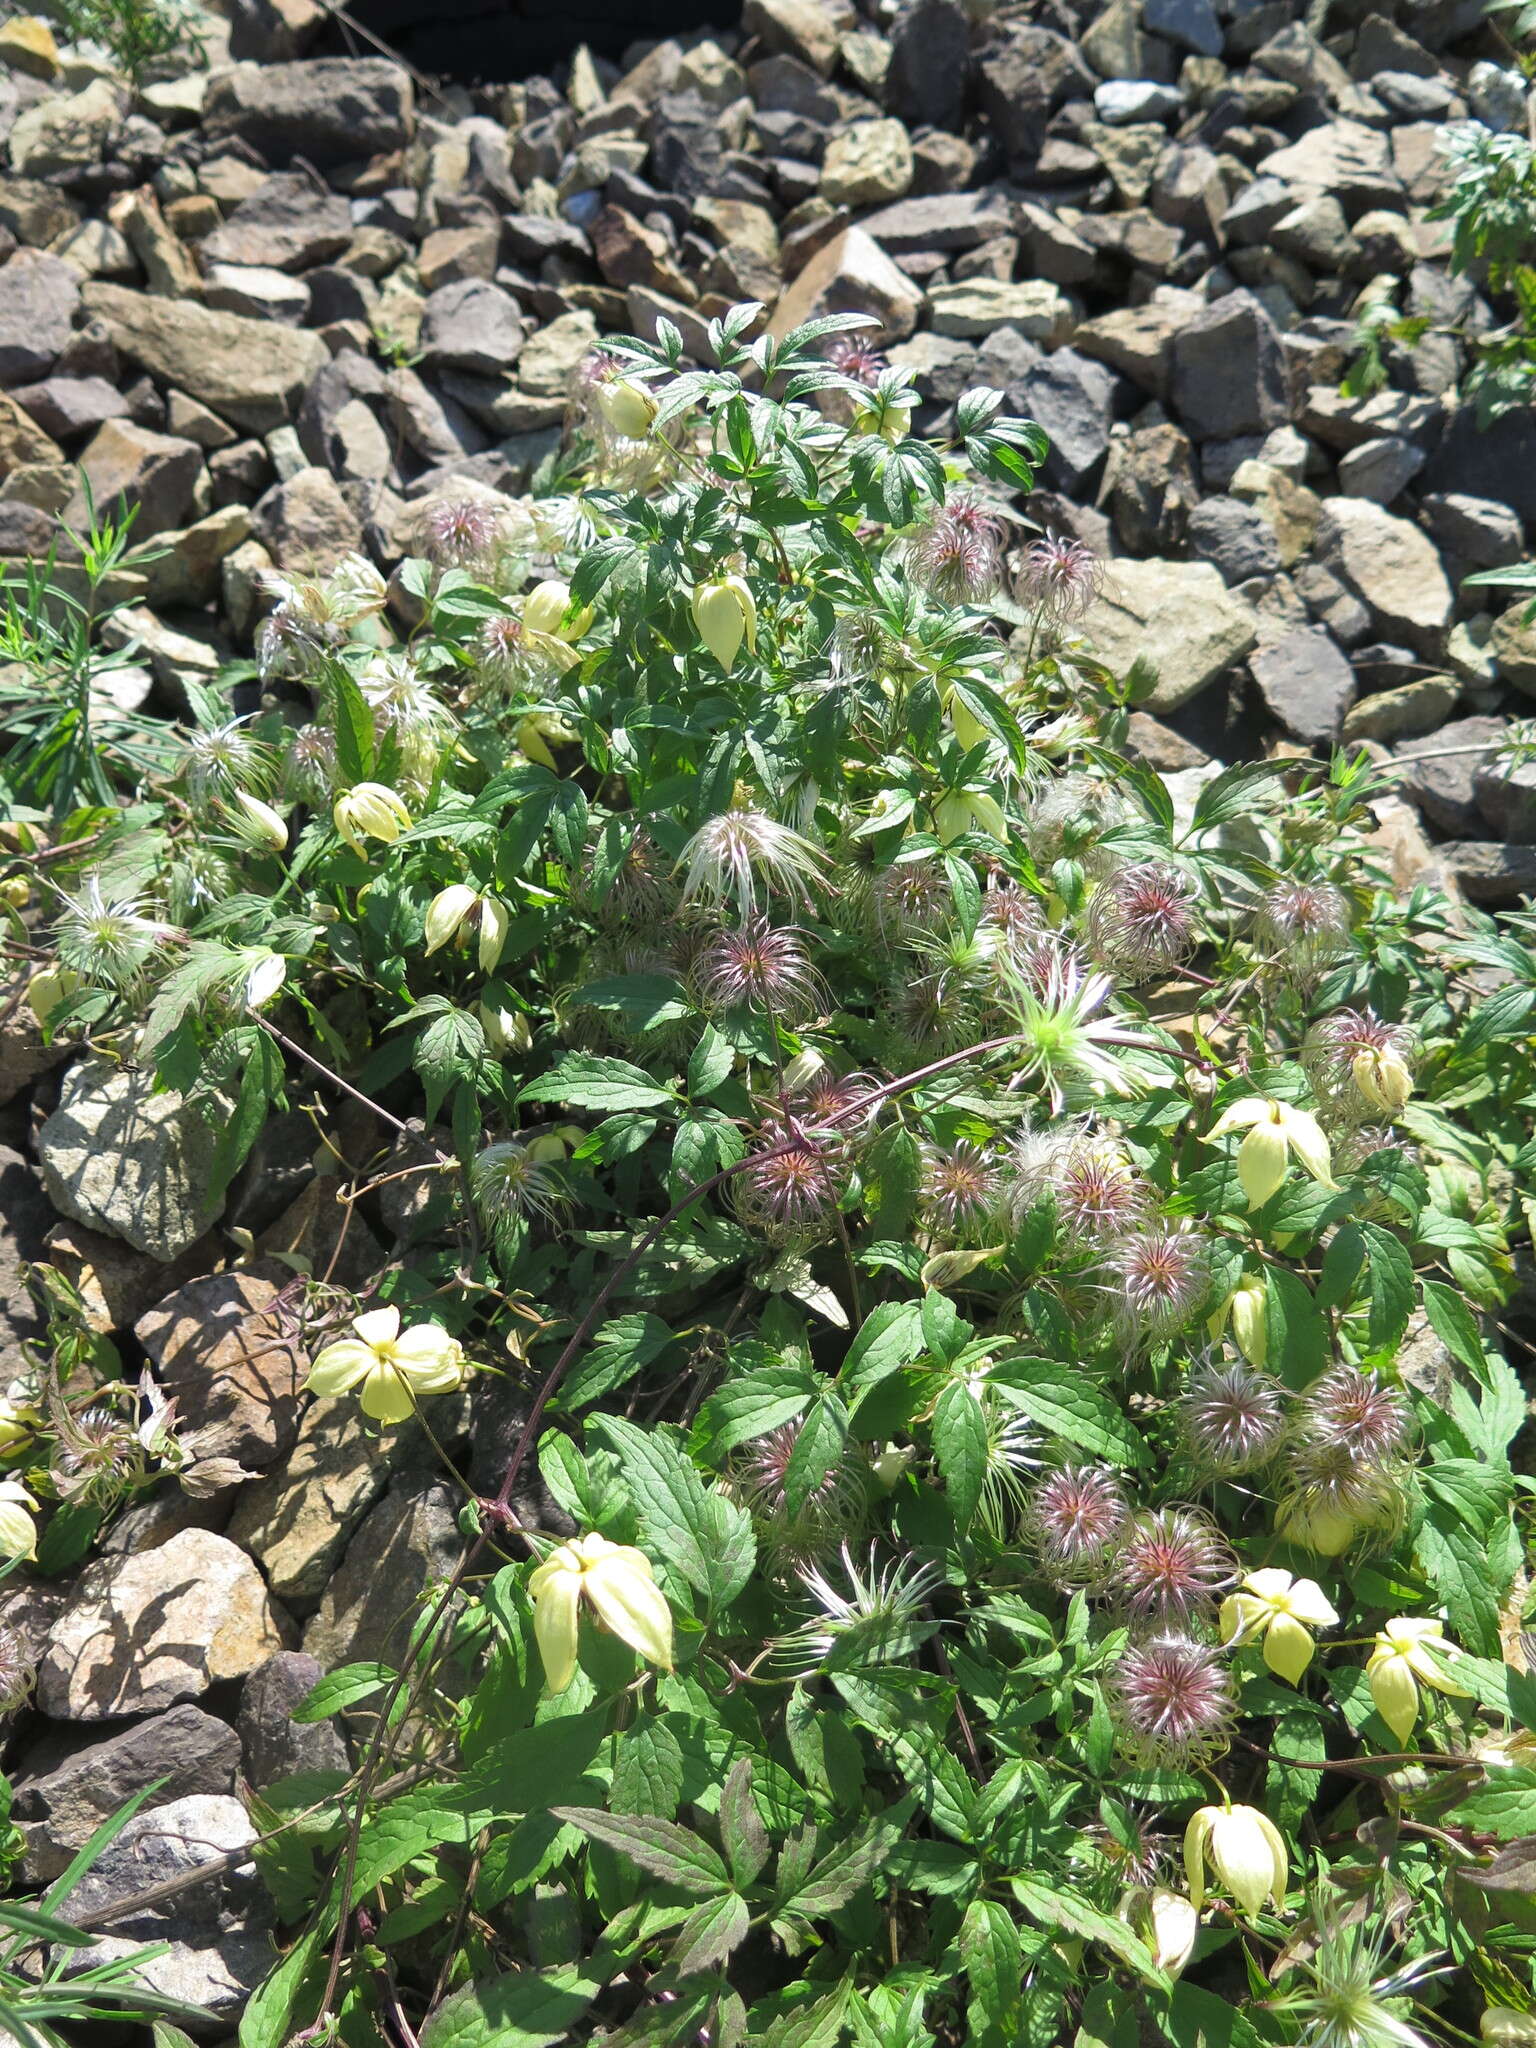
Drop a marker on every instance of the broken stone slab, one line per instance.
(250, 372)
(122, 1158)
(1420, 706)
(1227, 373)
(1305, 681)
(977, 306)
(39, 298)
(289, 223)
(155, 473)
(1180, 616)
(222, 1353)
(1489, 873)
(60, 1808)
(274, 1745)
(217, 1937)
(143, 1633)
(407, 1543)
(851, 274)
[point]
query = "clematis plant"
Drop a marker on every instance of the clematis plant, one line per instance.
(617, 1583)
(388, 1368)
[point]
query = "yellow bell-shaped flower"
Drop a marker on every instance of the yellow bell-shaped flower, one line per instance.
(725, 612)
(369, 810)
(1277, 1131)
(1400, 1664)
(1247, 1853)
(616, 1582)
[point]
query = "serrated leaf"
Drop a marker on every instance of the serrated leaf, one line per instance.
(753, 1405)
(890, 1337)
(710, 1933)
(742, 1834)
(696, 1530)
(341, 1689)
(523, 2009)
(994, 1965)
(648, 1770)
(1505, 1806)
(587, 1080)
(1053, 1907)
(960, 1443)
(1063, 1402)
(1456, 1561)
(841, 1874)
(674, 1854)
(1392, 1288)
(621, 1348)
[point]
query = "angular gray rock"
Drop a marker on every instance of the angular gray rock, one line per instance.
(1441, 775)
(218, 1936)
(1234, 536)
(1305, 681)
(306, 524)
(1390, 566)
(274, 1745)
(1180, 615)
(39, 297)
(142, 1633)
(930, 61)
(289, 223)
(25, 1219)
(121, 1158)
(157, 473)
(60, 1809)
(250, 372)
(1228, 371)
(472, 325)
(329, 110)
(409, 1542)
(221, 1352)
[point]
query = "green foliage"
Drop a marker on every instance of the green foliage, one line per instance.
(812, 1055)
(136, 32)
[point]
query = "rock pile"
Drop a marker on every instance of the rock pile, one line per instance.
(279, 300)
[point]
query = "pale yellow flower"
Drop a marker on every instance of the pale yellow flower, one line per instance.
(545, 607)
(1400, 1664)
(725, 613)
(257, 823)
(389, 1368)
(628, 408)
(19, 1423)
(1279, 1611)
(616, 1581)
(369, 810)
(1277, 1131)
(1246, 1307)
(1173, 1923)
(1382, 1075)
(18, 1531)
(965, 810)
(462, 912)
(1247, 1854)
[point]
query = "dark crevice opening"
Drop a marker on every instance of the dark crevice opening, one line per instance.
(487, 41)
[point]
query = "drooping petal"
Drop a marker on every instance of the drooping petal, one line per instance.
(18, 1531)
(1243, 1849)
(1394, 1691)
(1287, 1648)
(446, 912)
(1196, 1838)
(631, 1604)
(1240, 1117)
(556, 1625)
(1309, 1603)
(1262, 1159)
(1242, 1617)
(384, 1395)
(1307, 1139)
(429, 1358)
(340, 1366)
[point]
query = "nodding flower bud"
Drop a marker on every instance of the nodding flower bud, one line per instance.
(48, 990)
(1275, 1131)
(506, 1030)
(16, 891)
(1383, 1078)
(369, 810)
(459, 912)
(725, 613)
(545, 608)
(968, 810)
(1246, 1306)
(627, 408)
(257, 823)
(1246, 1851)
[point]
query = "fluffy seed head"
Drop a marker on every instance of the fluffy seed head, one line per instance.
(1354, 1411)
(758, 966)
(961, 1184)
(1359, 1064)
(1074, 1518)
(855, 356)
(1060, 578)
(1233, 1417)
(1096, 1190)
(1304, 926)
(957, 554)
(743, 854)
(227, 758)
(1156, 1278)
(1141, 920)
(458, 533)
(799, 1534)
(790, 1188)
(1169, 1566)
(1174, 1700)
(107, 940)
(912, 896)
(17, 1671)
(513, 1180)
